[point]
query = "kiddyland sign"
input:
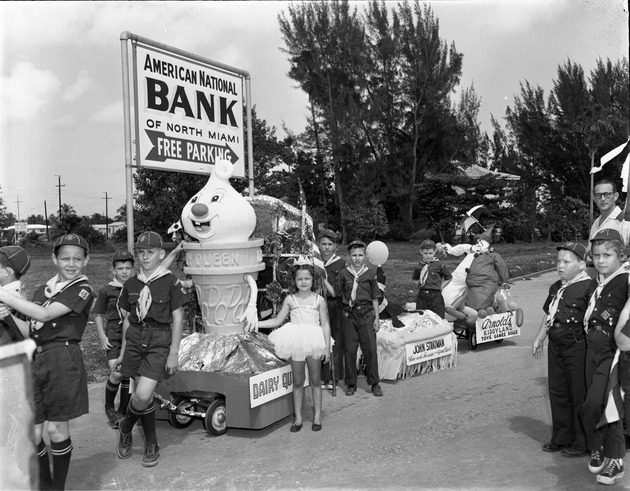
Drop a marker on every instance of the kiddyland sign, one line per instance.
(497, 326)
(189, 113)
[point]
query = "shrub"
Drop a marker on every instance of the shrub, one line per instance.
(367, 222)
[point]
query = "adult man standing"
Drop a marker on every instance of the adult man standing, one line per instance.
(611, 216)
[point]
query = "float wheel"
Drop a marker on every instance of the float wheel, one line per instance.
(472, 340)
(215, 421)
(181, 421)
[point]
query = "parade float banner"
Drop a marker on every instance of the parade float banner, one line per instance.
(270, 385)
(497, 326)
(428, 349)
(189, 114)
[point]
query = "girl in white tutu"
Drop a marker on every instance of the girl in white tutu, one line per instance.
(305, 339)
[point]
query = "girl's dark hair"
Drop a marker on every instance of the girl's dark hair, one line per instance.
(304, 267)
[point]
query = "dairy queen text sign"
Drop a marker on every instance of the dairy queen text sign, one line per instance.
(189, 113)
(497, 326)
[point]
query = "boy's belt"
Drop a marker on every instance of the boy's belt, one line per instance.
(158, 326)
(359, 308)
(53, 344)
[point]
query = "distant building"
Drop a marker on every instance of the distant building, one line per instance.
(23, 227)
(111, 227)
(475, 172)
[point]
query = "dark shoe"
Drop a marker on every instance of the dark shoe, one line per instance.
(316, 427)
(597, 461)
(350, 390)
(552, 446)
(574, 451)
(151, 455)
(377, 391)
(295, 428)
(612, 472)
(112, 418)
(125, 445)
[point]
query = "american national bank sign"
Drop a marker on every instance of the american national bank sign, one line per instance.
(189, 114)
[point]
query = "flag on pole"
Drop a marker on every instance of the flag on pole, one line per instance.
(613, 410)
(609, 156)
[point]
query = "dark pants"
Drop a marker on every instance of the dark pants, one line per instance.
(431, 300)
(358, 330)
(567, 383)
(599, 357)
(624, 381)
(335, 311)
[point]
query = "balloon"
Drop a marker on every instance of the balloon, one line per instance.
(439, 248)
(377, 253)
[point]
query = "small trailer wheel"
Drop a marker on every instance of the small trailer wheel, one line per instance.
(215, 421)
(472, 340)
(181, 421)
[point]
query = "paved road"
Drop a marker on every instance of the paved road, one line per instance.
(479, 425)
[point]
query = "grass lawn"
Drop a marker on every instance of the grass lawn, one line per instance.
(522, 259)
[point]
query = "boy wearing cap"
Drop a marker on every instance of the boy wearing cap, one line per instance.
(14, 263)
(333, 264)
(358, 288)
(608, 294)
(108, 320)
(565, 308)
(431, 276)
(59, 313)
(152, 304)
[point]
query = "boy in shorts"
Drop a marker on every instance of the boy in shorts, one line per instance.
(59, 313)
(108, 322)
(430, 275)
(358, 288)
(152, 304)
(14, 263)
(608, 295)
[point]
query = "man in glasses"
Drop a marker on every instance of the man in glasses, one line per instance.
(611, 216)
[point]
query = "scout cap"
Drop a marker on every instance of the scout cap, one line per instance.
(17, 258)
(356, 243)
(578, 249)
(149, 240)
(607, 234)
(72, 240)
(326, 232)
(427, 244)
(121, 256)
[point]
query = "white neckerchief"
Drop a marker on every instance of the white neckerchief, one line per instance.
(555, 303)
(424, 274)
(117, 284)
(331, 259)
(598, 291)
(144, 299)
(53, 288)
(355, 283)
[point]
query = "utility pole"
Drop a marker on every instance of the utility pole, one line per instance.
(18, 201)
(46, 219)
(60, 186)
(106, 217)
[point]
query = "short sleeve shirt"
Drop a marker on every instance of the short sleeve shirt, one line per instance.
(167, 295)
(367, 289)
(438, 273)
(105, 304)
(69, 327)
(572, 305)
(610, 303)
(333, 269)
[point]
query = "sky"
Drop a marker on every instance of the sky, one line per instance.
(61, 109)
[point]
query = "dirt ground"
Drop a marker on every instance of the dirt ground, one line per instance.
(479, 425)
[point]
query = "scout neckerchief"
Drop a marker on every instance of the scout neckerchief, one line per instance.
(355, 283)
(15, 287)
(601, 284)
(144, 300)
(331, 260)
(555, 303)
(117, 284)
(52, 289)
(424, 274)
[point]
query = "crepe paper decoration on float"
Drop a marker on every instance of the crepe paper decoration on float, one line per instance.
(425, 344)
(377, 253)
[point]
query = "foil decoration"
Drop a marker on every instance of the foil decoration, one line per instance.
(250, 353)
(414, 322)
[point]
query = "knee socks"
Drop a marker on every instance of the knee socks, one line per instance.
(124, 396)
(111, 389)
(45, 478)
(148, 423)
(61, 452)
(132, 417)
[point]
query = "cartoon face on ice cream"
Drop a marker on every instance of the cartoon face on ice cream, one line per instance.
(218, 214)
